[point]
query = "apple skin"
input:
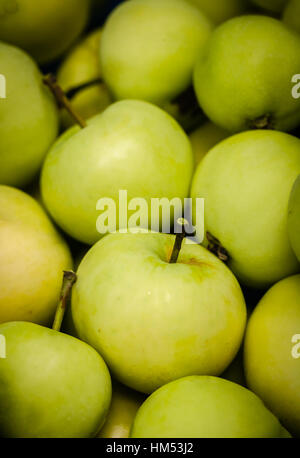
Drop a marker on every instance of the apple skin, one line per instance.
(185, 318)
(294, 218)
(236, 78)
(246, 181)
(124, 406)
(81, 66)
(149, 48)
(133, 146)
(33, 257)
(270, 369)
(26, 134)
(219, 11)
(291, 15)
(54, 386)
(205, 407)
(275, 6)
(45, 33)
(205, 138)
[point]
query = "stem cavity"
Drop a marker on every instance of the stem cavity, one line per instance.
(215, 247)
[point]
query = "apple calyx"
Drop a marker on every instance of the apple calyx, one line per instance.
(215, 247)
(62, 99)
(74, 90)
(184, 224)
(69, 279)
(263, 122)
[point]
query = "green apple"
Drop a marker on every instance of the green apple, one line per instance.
(32, 258)
(219, 11)
(80, 67)
(47, 32)
(124, 406)
(275, 6)
(205, 407)
(243, 77)
(246, 181)
(294, 218)
(132, 146)
(53, 386)
(149, 48)
(154, 321)
(29, 118)
(205, 138)
(272, 351)
(291, 15)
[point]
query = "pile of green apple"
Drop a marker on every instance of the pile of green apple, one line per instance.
(154, 335)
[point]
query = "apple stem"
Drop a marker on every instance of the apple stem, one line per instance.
(179, 240)
(62, 99)
(74, 90)
(69, 279)
(264, 122)
(215, 247)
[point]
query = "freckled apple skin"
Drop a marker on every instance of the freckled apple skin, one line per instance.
(246, 182)
(294, 218)
(236, 78)
(29, 118)
(133, 146)
(124, 406)
(205, 407)
(52, 385)
(149, 48)
(33, 257)
(152, 321)
(45, 33)
(271, 371)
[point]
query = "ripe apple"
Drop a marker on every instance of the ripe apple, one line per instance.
(132, 146)
(204, 138)
(53, 386)
(149, 48)
(237, 78)
(275, 6)
(124, 406)
(246, 181)
(47, 32)
(205, 407)
(291, 15)
(219, 11)
(272, 351)
(80, 67)
(294, 218)
(154, 321)
(29, 118)
(32, 258)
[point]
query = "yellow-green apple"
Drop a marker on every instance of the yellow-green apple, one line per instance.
(82, 66)
(272, 351)
(205, 407)
(246, 182)
(124, 406)
(29, 118)
(204, 138)
(291, 15)
(32, 258)
(52, 385)
(294, 218)
(236, 77)
(154, 321)
(219, 11)
(47, 32)
(132, 146)
(149, 48)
